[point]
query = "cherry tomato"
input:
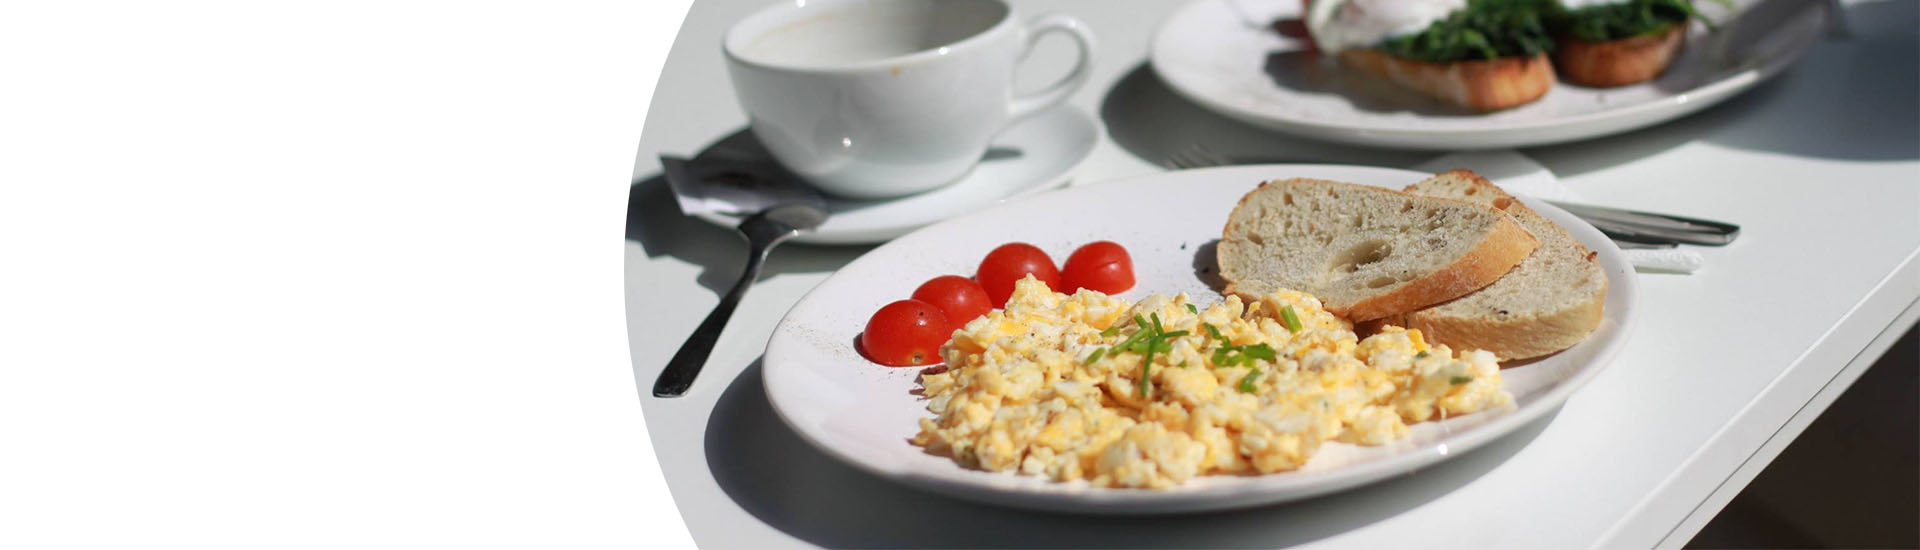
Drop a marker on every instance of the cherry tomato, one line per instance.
(1100, 265)
(958, 297)
(907, 332)
(1011, 262)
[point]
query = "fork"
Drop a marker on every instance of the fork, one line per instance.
(1627, 228)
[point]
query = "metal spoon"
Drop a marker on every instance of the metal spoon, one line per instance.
(763, 231)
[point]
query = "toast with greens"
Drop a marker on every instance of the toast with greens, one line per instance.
(1616, 43)
(1484, 55)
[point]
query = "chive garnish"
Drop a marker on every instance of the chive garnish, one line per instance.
(1288, 318)
(1095, 356)
(1112, 330)
(1258, 351)
(1458, 380)
(1232, 356)
(1151, 338)
(1246, 382)
(1145, 366)
(1195, 310)
(1127, 344)
(1421, 355)
(1214, 332)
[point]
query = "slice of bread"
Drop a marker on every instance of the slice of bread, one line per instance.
(1488, 85)
(1366, 252)
(1547, 304)
(1618, 62)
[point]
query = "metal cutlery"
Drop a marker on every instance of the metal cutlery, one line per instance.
(1195, 156)
(763, 231)
(1640, 226)
(1627, 228)
(781, 209)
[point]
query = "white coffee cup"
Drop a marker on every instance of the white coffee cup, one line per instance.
(883, 98)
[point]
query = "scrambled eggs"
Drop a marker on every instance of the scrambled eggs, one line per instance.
(1052, 386)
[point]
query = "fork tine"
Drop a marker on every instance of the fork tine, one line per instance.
(1179, 160)
(1211, 158)
(1195, 155)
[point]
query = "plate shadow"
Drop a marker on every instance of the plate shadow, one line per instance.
(782, 480)
(1307, 71)
(1151, 121)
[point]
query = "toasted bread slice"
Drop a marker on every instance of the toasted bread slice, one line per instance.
(1366, 252)
(1618, 62)
(1550, 302)
(1482, 85)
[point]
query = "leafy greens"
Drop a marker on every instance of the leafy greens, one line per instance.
(1492, 29)
(1624, 20)
(1484, 30)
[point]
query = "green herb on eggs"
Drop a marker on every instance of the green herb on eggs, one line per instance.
(1246, 382)
(1152, 338)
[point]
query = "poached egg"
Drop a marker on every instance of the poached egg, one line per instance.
(1338, 25)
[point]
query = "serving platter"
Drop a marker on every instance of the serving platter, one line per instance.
(864, 414)
(1226, 56)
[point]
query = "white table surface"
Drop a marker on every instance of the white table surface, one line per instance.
(1820, 165)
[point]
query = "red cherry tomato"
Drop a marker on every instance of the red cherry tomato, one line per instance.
(1011, 262)
(959, 297)
(907, 332)
(1100, 265)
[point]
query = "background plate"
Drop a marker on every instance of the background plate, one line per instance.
(1225, 56)
(863, 413)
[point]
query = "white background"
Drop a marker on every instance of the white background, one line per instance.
(323, 274)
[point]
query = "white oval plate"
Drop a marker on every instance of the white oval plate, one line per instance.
(863, 413)
(1034, 154)
(1222, 55)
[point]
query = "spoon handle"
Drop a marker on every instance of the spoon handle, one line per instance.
(686, 363)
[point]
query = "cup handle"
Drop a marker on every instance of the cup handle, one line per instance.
(1057, 92)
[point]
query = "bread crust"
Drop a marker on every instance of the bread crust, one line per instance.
(1511, 337)
(1504, 247)
(1620, 62)
(1488, 85)
(1498, 253)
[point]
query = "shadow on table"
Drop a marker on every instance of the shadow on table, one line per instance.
(1304, 71)
(1854, 99)
(1153, 122)
(654, 222)
(1146, 118)
(783, 481)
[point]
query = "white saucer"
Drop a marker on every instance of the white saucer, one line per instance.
(1032, 155)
